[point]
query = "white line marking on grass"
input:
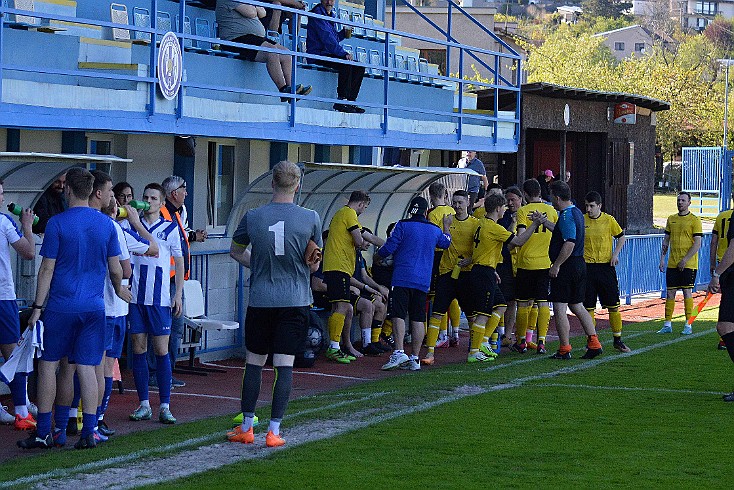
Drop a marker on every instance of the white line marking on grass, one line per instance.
(206, 458)
(62, 472)
(631, 388)
(200, 395)
(310, 373)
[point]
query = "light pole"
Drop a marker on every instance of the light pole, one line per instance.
(726, 63)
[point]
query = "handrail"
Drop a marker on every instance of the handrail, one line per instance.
(388, 72)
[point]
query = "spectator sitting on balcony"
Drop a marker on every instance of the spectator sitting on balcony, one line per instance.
(323, 39)
(241, 23)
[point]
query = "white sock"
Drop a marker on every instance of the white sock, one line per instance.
(164, 405)
(247, 423)
(145, 403)
(500, 331)
(274, 427)
(443, 334)
(73, 413)
(21, 410)
(334, 345)
(366, 336)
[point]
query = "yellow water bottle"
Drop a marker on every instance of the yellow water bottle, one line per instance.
(457, 269)
(121, 213)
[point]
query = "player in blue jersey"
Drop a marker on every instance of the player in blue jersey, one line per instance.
(412, 244)
(152, 305)
(24, 244)
(568, 272)
(280, 295)
(79, 248)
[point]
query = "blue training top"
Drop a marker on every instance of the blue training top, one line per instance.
(412, 244)
(569, 228)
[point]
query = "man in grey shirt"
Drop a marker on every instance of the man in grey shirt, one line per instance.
(280, 295)
(475, 181)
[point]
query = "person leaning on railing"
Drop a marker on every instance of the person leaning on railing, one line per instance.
(323, 39)
(241, 23)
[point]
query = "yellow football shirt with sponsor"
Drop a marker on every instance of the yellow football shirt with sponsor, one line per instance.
(534, 254)
(339, 250)
(598, 238)
(488, 242)
(462, 244)
(436, 215)
(721, 229)
(681, 230)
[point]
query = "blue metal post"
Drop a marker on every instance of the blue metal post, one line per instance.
(630, 272)
(182, 43)
(153, 56)
(518, 110)
(496, 90)
(2, 44)
(386, 77)
(461, 95)
(293, 28)
(448, 39)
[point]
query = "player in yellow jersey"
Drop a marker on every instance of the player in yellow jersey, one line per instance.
(506, 269)
(683, 236)
(453, 269)
(345, 234)
(601, 276)
(488, 242)
(719, 244)
(532, 280)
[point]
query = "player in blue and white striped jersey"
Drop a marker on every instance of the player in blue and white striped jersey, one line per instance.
(152, 305)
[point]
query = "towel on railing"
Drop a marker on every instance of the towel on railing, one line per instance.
(29, 346)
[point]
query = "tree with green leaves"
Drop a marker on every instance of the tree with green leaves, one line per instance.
(606, 8)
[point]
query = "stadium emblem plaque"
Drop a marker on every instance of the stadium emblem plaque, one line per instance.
(170, 66)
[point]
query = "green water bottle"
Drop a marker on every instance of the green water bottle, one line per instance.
(15, 209)
(140, 205)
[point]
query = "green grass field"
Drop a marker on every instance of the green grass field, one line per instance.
(651, 418)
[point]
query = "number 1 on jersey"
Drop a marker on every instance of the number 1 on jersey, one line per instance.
(279, 230)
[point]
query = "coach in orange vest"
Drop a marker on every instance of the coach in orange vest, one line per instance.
(174, 210)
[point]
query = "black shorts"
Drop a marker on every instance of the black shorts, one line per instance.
(507, 281)
(570, 285)
(252, 39)
(532, 284)
(279, 330)
(601, 282)
(499, 297)
(437, 254)
(726, 307)
(448, 289)
(337, 286)
(405, 302)
(680, 279)
(382, 275)
(483, 283)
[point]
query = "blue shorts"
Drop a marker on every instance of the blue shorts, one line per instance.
(78, 336)
(153, 320)
(9, 322)
(114, 336)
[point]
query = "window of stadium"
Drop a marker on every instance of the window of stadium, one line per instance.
(220, 183)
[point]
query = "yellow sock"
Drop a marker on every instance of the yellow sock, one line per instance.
(521, 322)
(454, 314)
(669, 308)
(688, 305)
(375, 334)
(533, 317)
(592, 315)
(433, 327)
(615, 320)
(336, 325)
(502, 321)
(543, 322)
(476, 333)
(387, 327)
(492, 324)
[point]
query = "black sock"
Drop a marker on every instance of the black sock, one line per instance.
(281, 391)
(251, 387)
(729, 341)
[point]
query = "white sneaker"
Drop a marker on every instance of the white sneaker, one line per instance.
(478, 357)
(687, 330)
(32, 408)
(5, 417)
(411, 365)
(396, 359)
(667, 328)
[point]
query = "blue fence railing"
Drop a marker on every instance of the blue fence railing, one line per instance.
(638, 271)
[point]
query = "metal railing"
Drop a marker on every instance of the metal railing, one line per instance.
(388, 71)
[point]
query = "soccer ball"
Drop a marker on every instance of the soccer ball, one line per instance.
(314, 338)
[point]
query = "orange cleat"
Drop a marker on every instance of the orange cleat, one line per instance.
(238, 435)
(271, 440)
(429, 360)
(24, 423)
